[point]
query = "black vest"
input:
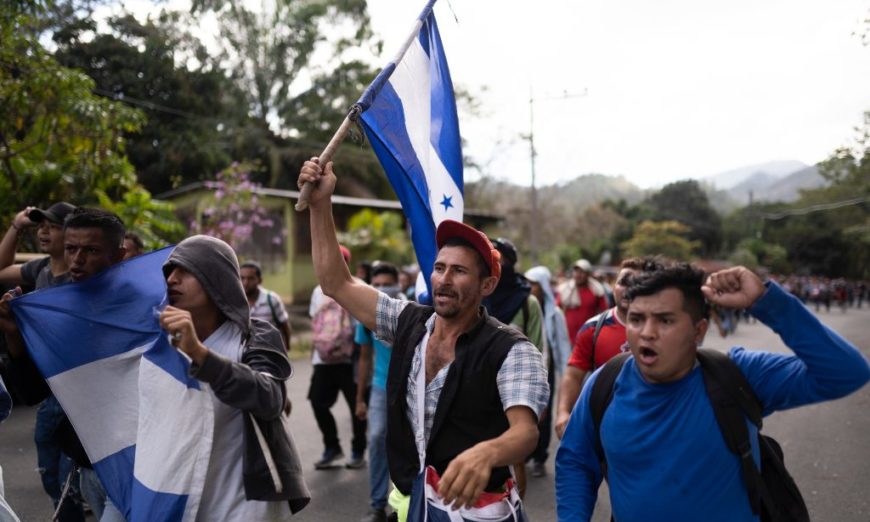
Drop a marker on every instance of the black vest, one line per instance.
(469, 408)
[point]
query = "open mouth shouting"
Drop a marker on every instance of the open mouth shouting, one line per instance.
(647, 355)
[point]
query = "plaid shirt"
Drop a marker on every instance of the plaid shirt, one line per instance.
(521, 380)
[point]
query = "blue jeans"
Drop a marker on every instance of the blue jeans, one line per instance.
(95, 495)
(54, 465)
(379, 473)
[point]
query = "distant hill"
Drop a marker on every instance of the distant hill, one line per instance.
(788, 189)
(774, 169)
(578, 194)
(589, 189)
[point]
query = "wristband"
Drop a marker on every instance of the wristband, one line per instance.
(16, 227)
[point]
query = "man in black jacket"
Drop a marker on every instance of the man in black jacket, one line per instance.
(485, 384)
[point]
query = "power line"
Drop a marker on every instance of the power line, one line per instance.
(812, 208)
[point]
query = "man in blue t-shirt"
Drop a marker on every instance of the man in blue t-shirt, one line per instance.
(666, 457)
(385, 277)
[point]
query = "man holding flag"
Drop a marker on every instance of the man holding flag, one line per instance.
(464, 391)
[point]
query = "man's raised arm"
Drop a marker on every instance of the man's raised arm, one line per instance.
(335, 280)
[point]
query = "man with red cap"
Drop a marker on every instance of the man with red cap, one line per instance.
(464, 391)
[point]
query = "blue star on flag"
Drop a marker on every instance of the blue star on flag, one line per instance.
(447, 202)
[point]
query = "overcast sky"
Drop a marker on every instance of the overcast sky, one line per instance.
(674, 88)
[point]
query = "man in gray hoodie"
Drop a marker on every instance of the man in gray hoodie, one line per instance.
(254, 473)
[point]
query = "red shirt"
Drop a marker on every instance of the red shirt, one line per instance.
(611, 338)
(590, 305)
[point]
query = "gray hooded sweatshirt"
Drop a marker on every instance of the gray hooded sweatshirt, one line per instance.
(255, 385)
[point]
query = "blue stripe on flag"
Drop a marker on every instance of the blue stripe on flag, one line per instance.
(106, 315)
(152, 505)
(116, 475)
(445, 121)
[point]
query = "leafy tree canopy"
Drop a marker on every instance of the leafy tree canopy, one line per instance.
(58, 141)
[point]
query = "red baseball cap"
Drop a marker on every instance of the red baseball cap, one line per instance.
(345, 253)
(449, 229)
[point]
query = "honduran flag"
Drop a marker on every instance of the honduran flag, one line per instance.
(146, 426)
(409, 116)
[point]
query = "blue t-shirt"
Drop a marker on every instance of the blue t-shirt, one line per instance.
(382, 355)
(666, 457)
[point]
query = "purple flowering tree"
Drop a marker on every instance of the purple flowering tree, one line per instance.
(236, 215)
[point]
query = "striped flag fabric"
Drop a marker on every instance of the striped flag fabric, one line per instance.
(144, 423)
(409, 116)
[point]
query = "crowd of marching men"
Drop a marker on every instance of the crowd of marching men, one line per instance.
(452, 407)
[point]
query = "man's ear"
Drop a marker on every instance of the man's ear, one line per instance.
(488, 285)
(119, 254)
(701, 331)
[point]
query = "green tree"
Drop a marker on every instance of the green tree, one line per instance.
(665, 238)
(378, 236)
(195, 124)
(154, 221)
(686, 202)
(57, 140)
(827, 231)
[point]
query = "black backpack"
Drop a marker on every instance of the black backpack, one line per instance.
(772, 492)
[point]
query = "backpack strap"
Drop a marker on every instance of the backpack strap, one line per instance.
(526, 316)
(598, 325)
(733, 402)
(272, 308)
(601, 395)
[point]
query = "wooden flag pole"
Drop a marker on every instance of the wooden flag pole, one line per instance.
(326, 156)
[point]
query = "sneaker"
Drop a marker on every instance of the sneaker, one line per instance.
(329, 457)
(357, 461)
(375, 515)
(538, 469)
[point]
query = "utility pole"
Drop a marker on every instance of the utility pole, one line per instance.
(533, 232)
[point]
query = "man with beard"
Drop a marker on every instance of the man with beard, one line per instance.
(464, 392)
(600, 339)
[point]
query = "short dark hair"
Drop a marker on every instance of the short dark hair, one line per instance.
(252, 264)
(644, 263)
(383, 267)
(482, 267)
(684, 277)
(89, 217)
(134, 237)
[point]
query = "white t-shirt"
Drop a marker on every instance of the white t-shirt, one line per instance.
(223, 495)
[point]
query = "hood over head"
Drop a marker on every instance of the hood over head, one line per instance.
(216, 267)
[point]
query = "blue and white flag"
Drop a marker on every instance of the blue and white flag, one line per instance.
(409, 116)
(144, 423)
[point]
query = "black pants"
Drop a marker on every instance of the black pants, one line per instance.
(326, 381)
(545, 426)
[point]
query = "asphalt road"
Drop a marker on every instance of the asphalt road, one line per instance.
(827, 447)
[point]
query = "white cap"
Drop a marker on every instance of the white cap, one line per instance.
(583, 265)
